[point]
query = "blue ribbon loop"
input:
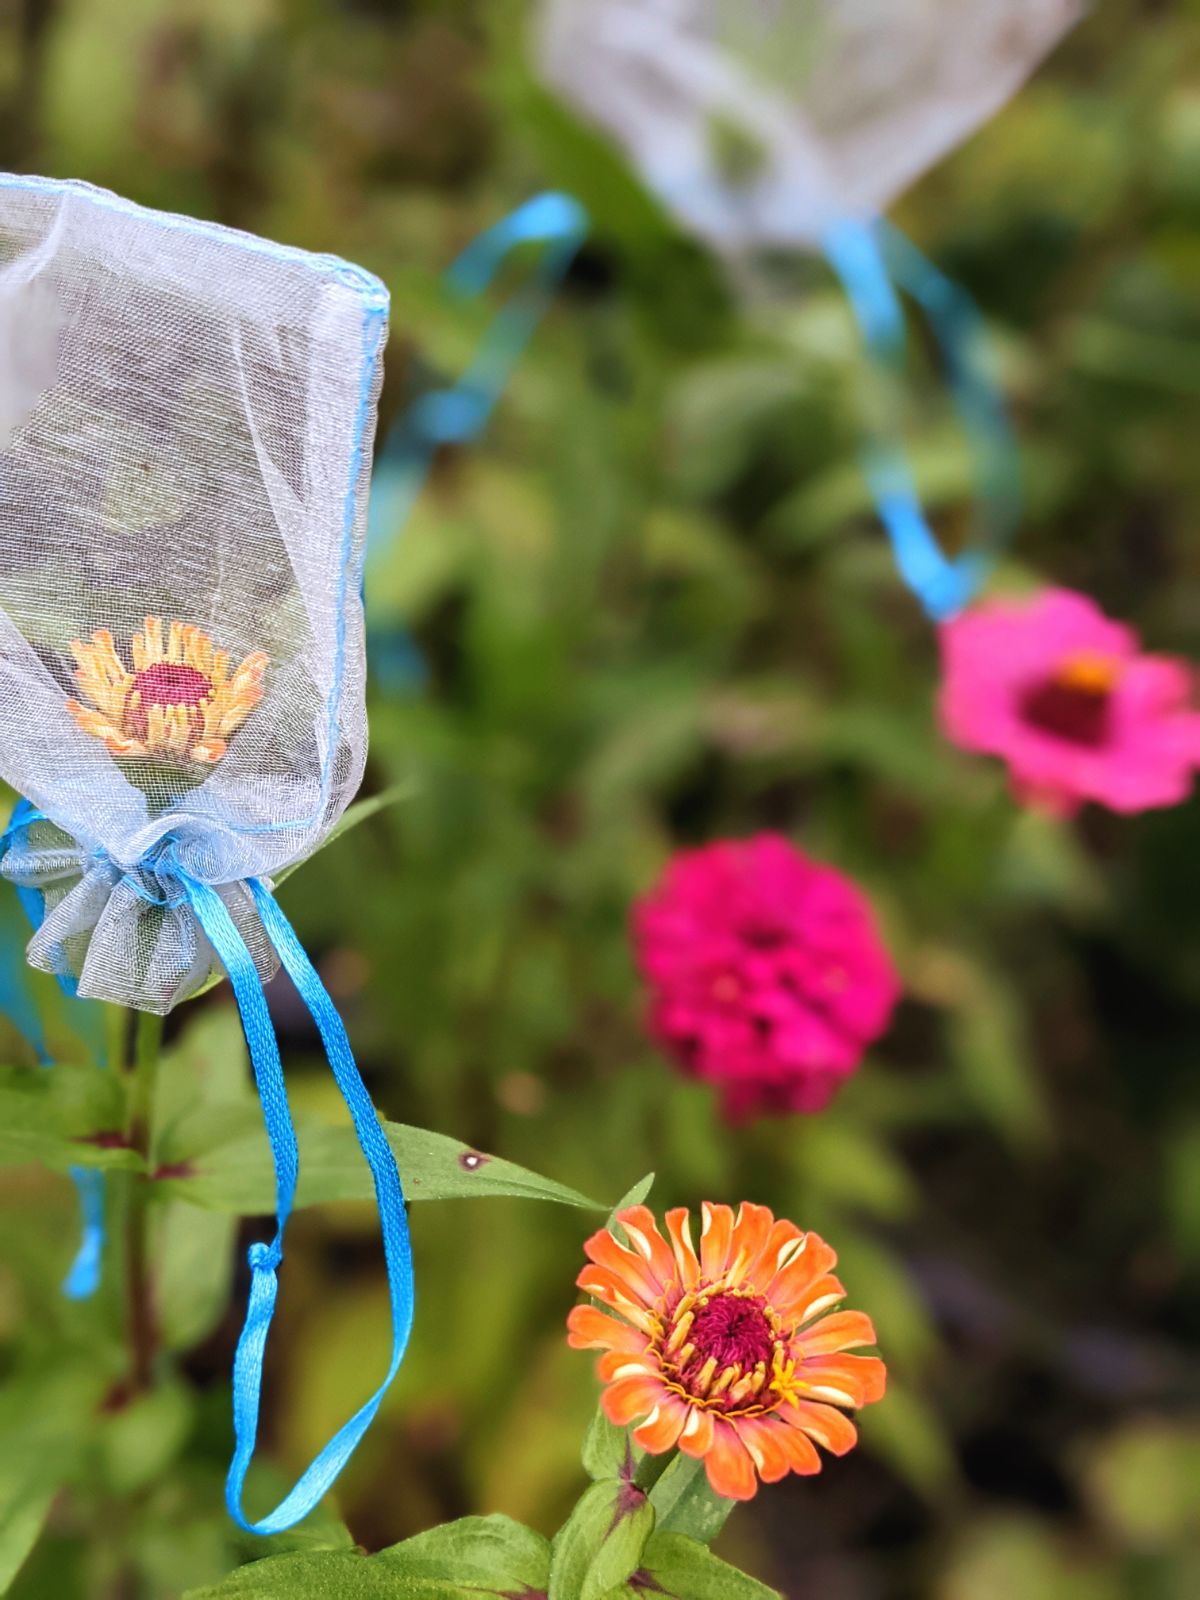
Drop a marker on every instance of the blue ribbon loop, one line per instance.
(452, 416)
(265, 1259)
(83, 1276)
(872, 260)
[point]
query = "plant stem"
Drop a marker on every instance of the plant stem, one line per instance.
(142, 1332)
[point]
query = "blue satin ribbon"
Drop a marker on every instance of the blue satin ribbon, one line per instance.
(83, 1277)
(559, 225)
(872, 259)
(265, 1259)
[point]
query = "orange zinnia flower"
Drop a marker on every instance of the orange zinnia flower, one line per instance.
(179, 703)
(733, 1353)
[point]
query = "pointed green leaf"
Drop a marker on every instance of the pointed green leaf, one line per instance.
(478, 1558)
(601, 1544)
(322, 1576)
(491, 1555)
(608, 1450)
(678, 1568)
(635, 1197)
(358, 812)
(63, 1116)
(218, 1157)
(685, 1503)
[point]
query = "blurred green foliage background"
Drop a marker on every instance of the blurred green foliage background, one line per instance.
(656, 608)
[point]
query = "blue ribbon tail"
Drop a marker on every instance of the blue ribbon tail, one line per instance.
(265, 1260)
(454, 415)
(83, 1277)
(871, 259)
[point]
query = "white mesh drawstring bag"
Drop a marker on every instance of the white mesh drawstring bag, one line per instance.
(768, 122)
(186, 424)
(791, 125)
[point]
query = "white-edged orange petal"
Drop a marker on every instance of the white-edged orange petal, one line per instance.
(661, 1429)
(589, 1329)
(716, 1232)
(679, 1229)
(811, 1260)
(629, 1398)
(632, 1268)
(843, 1330)
(766, 1447)
(697, 1436)
(615, 1292)
(827, 1426)
(640, 1226)
(844, 1380)
(729, 1466)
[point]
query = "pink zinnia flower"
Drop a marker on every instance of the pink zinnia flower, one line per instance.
(1068, 699)
(767, 974)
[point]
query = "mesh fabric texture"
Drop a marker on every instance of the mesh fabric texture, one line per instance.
(187, 437)
(764, 122)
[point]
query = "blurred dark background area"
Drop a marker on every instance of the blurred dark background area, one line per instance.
(652, 606)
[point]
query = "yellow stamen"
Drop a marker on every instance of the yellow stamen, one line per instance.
(681, 1332)
(704, 1377)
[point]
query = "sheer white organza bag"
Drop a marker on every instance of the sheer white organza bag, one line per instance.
(769, 122)
(791, 125)
(186, 422)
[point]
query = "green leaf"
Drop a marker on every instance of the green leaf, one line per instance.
(194, 1280)
(474, 1559)
(324, 1576)
(601, 1544)
(684, 1502)
(219, 1158)
(24, 1507)
(63, 1116)
(45, 1418)
(360, 811)
(493, 1554)
(608, 1450)
(681, 1569)
(351, 817)
(635, 1197)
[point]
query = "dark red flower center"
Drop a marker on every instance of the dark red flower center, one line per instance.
(734, 1329)
(166, 683)
(1075, 702)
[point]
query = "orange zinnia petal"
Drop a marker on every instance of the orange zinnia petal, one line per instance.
(728, 1464)
(631, 1397)
(750, 1234)
(822, 1296)
(782, 1241)
(790, 1286)
(844, 1380)
(615, 1362)
(767, 1447)
(641, 1284)
(827, 1426)
(716, 1232)
(639, 1224)
(697, 1436)
(589, 1329)
(679, 1226)
(615, 1292)
(841, 1331)
(801, 1452)
(661, 1429)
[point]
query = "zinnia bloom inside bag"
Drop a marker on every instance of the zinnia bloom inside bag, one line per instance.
(185, 446)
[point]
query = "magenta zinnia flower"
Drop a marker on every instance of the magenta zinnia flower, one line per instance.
(766, 970)
(1068, 699)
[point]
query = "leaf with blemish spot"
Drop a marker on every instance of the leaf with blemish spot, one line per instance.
(222, 1154)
